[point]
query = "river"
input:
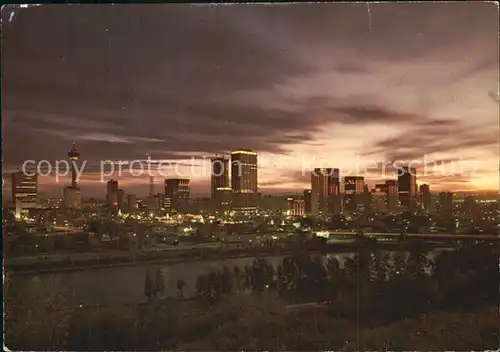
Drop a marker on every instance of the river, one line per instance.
(125, 284)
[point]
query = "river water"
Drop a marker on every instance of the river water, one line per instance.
(125, 284)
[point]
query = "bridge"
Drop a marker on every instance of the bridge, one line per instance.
(454, 236)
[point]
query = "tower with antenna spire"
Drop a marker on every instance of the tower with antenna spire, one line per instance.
(73, 159)
(72, 194)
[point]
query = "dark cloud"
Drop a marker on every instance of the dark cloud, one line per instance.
(126, 80)
(398, 32)
(128, 73)
(348, 68)
(373, 114)
(438, 136)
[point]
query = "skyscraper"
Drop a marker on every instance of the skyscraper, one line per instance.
(407, 187)
(24, 192)
(353, 191)
(425, 196)
(295, 206)
(367, 200)
(244, 180)
(72, 193)
(319, 189)
(333, 181)
(178, 190)
(391, 189)
(120, 198)
(325, 190)
(132, 203)
(112, 196)
(162, 201)
(379, 197)
(446, 202)
(220, 189)
(307, 201)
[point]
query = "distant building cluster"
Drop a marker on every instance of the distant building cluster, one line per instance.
(329, 196)
(234, 190)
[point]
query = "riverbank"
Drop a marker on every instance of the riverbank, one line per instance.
(113, 259)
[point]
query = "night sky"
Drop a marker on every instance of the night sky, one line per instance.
(320, 84)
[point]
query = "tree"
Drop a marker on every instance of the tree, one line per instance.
(398, 265)
(238, 278)
(180, 287)
(289, 274)
(380, 267)
(203, 287)
(227, 280)
(260, 275)
(159, 285)
(36, 316)
(418, 262)
(148, 286)
(359, 266)
(336, 276)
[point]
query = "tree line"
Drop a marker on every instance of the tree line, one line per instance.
(397, 284)
(376, 301)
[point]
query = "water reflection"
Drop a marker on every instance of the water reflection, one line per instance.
(125, 284)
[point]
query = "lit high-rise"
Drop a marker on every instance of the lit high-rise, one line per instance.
(24, 192)
(353, 191)
(425, 196)
(391, 190)
(244, 180)
(220, 188)
(112, 196)
(325, 190)
(307, 201)
(446, 202)
(379, 197)
(407, 186)
(178, 190)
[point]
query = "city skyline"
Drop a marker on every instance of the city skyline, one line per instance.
(291, 82)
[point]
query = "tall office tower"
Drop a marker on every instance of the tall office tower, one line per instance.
(151, 186)
(470, 205)
(367, 200)
(425, 196)
(407, 184)
(24, 192)
(325, 190)
(334, 199)
(391, 190)
(307, 201)
(289, 205)
(446, 202)
(112, 196)
(333, 181)
(162, 201)
(132, 203)
(353, 192)
(379, 197)
(244, 180)
(178, 190)
(295, 206)
(319, 189)
(72, 193)
(220, 189)
(120, 198)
